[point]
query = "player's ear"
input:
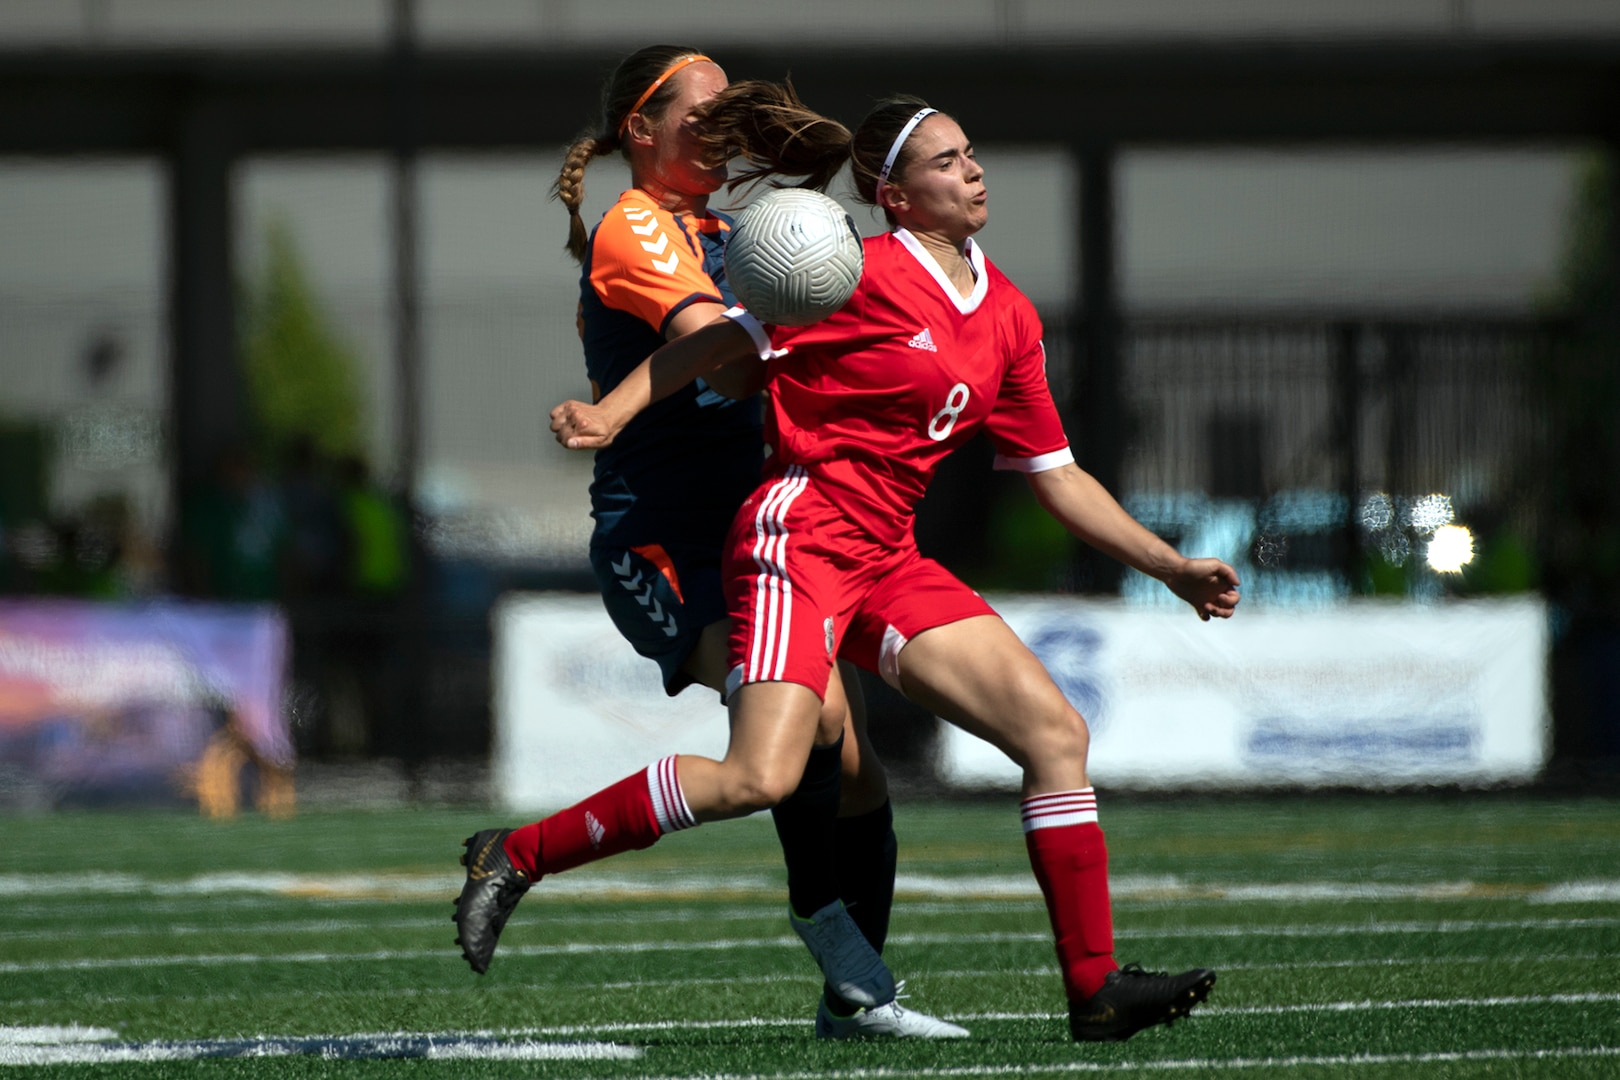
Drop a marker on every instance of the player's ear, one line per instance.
(892, 197)
(639, 129)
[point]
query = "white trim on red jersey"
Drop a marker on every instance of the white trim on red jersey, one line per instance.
(1039, 463)
(975, 257)
(864, 404)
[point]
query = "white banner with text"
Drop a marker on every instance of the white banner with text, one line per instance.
(1366, 695)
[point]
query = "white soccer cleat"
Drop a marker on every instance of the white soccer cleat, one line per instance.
(890, 1021)
(847, 960)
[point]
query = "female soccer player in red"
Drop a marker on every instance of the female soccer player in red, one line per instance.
(663, 496)
(935, 345)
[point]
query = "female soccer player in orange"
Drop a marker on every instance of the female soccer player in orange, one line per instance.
(935, 345)
(663, 496)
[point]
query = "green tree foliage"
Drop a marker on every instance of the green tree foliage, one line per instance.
(303, 377)
(1580, 384)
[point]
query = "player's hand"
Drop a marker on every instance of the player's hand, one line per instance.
(578, 426)
(1209, 585)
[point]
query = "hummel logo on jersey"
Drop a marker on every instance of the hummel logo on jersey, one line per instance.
(645, 225)
(924, 340)
(594, 829)
(665, 621)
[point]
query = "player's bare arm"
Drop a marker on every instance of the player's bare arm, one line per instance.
(1084, 507)
(578, 426)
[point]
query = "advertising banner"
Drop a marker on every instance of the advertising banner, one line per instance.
(1364, 694)
(576, 709)
(1367, 694)
(104, 704)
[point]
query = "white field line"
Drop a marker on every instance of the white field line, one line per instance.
(1223, 967)
(332, 923)
(653, 1027)
(53, 1035)
(1297, 930)
(1035, 972)
(1367, 1005)
(58, 1046)
(305, 926)
(761, 913)
(907, 885)
(58, 929)
(659, 1026)
(1361, 929)
(46, 1046)
(477, 1048)
(1185, 1065)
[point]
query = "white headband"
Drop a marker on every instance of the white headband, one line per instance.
(899, 141)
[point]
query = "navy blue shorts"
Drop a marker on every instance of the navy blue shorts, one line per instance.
(661, 600)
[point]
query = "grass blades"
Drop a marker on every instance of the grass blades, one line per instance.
(1378, 936)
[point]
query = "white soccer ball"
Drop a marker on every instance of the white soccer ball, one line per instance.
(794, 257)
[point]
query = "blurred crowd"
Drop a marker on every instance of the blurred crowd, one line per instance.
(313, 534)
(309, 527)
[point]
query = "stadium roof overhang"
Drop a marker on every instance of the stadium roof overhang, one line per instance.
(202, 111)
(116, 102)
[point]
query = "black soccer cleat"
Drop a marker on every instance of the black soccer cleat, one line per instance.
(493, 888)
(1132, 999)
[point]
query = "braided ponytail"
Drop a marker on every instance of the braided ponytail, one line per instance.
(569, 188)
(634, 86)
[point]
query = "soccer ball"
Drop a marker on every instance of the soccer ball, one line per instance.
(794, 257)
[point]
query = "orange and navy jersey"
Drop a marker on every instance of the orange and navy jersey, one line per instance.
(679, 470)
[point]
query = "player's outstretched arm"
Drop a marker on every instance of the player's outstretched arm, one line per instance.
(579, 426)
(1087, 510)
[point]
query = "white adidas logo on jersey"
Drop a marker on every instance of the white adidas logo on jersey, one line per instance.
(924, 340)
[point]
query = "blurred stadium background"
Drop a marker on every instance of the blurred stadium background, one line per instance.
(283, 306)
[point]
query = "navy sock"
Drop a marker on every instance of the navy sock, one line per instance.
(867, 853)
(805, 824)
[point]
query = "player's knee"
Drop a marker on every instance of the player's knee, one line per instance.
(755, 790)
(1056, 732)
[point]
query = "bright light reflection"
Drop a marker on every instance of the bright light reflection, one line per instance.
(1377, 512)
(1451, 549)
(1430, 513)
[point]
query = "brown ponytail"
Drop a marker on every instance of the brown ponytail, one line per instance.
(569, 188)
(623, 89)
(767, 124)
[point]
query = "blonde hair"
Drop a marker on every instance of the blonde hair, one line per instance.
(639, 84)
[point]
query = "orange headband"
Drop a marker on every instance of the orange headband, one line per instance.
(653, 89)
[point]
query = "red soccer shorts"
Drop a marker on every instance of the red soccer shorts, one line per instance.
(804, 584)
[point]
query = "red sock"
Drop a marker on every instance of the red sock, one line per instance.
(626, 816)
(1070, 858)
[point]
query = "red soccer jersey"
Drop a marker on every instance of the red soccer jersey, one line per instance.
(871, 399)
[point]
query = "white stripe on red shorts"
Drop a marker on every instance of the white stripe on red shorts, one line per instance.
(773, 597)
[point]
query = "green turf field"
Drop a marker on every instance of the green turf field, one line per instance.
(1355, 937)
